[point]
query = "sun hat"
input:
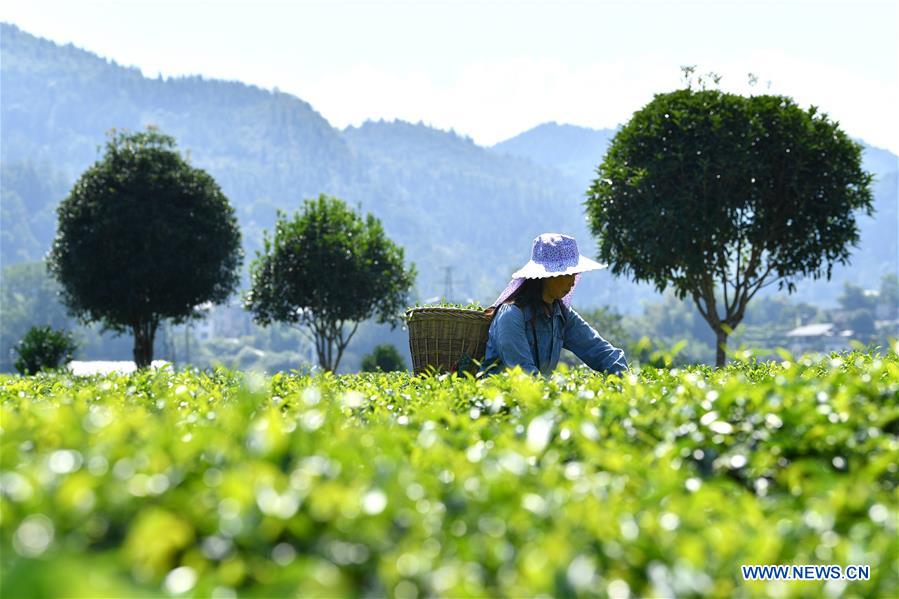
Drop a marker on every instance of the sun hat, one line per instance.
(552, 255)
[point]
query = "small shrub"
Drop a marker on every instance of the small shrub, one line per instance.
(43, 348)
(385, 358)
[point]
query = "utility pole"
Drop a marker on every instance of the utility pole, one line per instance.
(168, 343)
(187, 344)
(448, 284)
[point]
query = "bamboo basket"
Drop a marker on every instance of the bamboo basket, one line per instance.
(447, 339)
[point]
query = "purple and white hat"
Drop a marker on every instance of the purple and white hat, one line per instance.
(552, 255)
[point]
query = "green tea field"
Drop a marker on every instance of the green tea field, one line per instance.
(662, 483)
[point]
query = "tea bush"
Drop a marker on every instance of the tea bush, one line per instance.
(660, 483)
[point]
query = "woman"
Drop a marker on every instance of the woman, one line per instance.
(533, 320)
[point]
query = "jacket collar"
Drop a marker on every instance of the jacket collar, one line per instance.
(528, 311)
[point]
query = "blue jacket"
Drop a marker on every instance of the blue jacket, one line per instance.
(511, 341)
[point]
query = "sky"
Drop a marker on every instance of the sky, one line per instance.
(491, 70)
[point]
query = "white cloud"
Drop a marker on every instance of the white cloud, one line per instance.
(864, 107)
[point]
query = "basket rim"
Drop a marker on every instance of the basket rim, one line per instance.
(444, 309)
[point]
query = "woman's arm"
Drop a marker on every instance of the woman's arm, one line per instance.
(597, 353)
(510, 339)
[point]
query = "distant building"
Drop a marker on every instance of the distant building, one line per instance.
(229, 320)
(887, 327)
(203, 330)
(87, 368)
(819, 337)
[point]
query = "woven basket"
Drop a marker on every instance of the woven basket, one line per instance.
(447, 339)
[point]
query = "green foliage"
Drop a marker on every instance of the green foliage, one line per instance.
(705, 171)
(29, 194)
(705, 189)
(665, 480)
(665, 323)
(608, 322)
(648, 352)
(861, 322)
(613, 327)
(144, 236)
(781, 312)
(443, 303)
(327, 267)
(29, 297)
(889, 293)
(383, 358)
(43, 348)
(854, 297)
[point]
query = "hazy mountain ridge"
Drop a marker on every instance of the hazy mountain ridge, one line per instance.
(59, 102)
(572, 150)
(447, 200)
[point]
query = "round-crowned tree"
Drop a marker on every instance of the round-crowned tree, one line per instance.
(719, 195)
(326, 270)
(143, 236)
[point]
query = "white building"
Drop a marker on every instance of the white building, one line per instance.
(818, 337)
(89, 367)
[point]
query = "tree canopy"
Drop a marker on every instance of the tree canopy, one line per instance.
(718, 195)
(325, 268)
(143, 236)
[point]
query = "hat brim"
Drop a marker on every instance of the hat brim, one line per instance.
(534, 270)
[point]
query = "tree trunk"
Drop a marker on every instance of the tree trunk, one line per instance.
(721, 346)
(328, 364)
(323, 349)
(144, 334)
(722, 328)
(342, 343)
(330, 344)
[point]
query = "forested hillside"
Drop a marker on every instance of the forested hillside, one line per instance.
(449, 202)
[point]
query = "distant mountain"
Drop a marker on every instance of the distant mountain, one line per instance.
(449, 202)
(58, 102)
(878, 160)
(574, 151)
(456, 204)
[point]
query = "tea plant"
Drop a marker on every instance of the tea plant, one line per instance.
(659, 483)
(445, 304)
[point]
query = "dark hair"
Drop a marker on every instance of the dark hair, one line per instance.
(530, 293)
